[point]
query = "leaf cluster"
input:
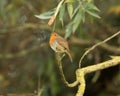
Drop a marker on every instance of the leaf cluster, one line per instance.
(74, 10)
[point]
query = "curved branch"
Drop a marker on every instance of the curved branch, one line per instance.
(62, 73)
(80, 73)
(110, 63)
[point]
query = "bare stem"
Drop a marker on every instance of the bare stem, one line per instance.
(96, 45)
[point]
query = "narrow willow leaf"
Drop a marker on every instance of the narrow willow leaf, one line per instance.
(52, 19)
(77, 20)
(70, 9)
(68, 30)
(93, 14)
(92, 6)
(61, 13)
(46, 15)
(83, 17)
(58, 7)
(95, 8)
(75, 11)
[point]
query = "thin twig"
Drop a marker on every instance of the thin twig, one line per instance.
(93, 47)
(52, 19)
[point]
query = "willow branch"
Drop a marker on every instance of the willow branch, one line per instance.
(80, 73)
(81, 88)
(110, 63)
(62, 73)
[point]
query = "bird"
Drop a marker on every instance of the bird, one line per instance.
(59, 44)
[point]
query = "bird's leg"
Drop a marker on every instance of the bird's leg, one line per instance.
(63, 55)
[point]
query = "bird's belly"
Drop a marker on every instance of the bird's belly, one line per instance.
(57, 47)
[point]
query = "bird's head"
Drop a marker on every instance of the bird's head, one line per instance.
(54, 35)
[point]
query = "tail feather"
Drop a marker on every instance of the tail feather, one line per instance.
(69, 56)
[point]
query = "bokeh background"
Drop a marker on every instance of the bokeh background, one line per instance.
(27, 62)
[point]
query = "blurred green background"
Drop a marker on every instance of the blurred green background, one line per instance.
(27, 63)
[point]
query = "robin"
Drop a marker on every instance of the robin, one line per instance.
(59, 44)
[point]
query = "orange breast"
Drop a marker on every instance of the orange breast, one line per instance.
(52, 39)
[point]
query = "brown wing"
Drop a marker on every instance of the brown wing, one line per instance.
(63, 43)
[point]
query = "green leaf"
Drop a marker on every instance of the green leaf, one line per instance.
(72, 27)
(77, 19)
(83, 17)
(61, 13)
(95, 8)
(70, 9)
(75, 11)
(68, 30)
(46, 15)
(90, 6)
(93, 14)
